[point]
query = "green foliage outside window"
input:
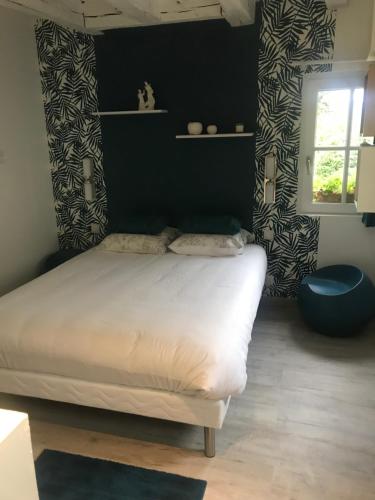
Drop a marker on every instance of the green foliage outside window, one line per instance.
(328, 177)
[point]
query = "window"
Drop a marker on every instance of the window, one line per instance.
(331, 123)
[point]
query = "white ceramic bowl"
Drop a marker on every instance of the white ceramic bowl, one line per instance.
(212, 129)
(195, 128)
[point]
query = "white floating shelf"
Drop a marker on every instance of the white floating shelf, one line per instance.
(132, 112)
(214, 136)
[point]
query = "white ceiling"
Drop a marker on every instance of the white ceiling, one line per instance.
(109, 14)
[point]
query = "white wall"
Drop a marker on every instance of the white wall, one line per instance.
(344, 239)
(27, 218)
(353, 30)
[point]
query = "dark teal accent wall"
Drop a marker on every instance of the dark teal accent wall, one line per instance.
(204, 71)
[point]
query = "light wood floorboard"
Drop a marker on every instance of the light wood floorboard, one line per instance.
(304, 429)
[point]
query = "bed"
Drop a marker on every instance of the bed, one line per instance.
(163, 336)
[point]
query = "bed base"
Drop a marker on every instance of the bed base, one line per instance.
(165, 405)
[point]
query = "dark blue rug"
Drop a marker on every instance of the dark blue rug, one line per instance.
(62, 476)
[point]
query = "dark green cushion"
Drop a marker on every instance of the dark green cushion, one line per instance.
(210, 224)
(141, 224)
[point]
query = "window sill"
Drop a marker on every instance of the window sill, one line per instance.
(321, 209)
(331, 214)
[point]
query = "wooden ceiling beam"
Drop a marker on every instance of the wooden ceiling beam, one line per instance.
(239, 12)
(127, 13)
(142, 11)
(52, 10)
(75, 6)
(200, 13)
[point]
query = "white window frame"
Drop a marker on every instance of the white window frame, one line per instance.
(311, 86)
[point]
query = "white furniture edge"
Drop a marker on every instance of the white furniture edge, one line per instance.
(214, 136)
(17, 472)
(364, 192)
(130, 112)
(165, 405)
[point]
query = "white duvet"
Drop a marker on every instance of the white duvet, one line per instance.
(168, 322)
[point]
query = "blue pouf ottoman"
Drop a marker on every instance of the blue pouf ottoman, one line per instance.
(337, 300)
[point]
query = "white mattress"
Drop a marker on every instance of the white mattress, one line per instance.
(167, 322)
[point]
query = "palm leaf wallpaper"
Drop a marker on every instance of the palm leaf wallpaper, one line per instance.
(69, 87)
(291, 30)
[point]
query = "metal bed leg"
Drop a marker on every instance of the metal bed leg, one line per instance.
(209, 442)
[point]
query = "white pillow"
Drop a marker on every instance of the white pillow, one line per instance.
(247, 236)
(139, 243)
(213, 245)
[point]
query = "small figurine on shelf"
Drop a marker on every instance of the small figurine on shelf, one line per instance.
(149, 103)
(150, 96)
(141, 100)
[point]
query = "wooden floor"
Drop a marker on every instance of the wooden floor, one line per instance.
(304, 429)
